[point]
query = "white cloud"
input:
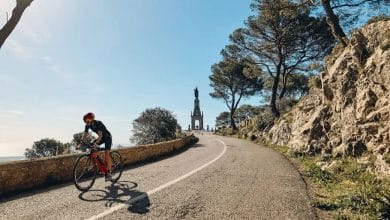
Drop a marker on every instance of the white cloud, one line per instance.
(11, 114)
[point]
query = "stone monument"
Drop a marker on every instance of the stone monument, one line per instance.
(196, 115)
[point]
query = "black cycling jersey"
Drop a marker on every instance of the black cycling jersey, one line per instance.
(98, 126)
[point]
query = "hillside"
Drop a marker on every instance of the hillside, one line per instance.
(347, 110)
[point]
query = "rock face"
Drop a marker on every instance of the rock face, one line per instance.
(349, 114)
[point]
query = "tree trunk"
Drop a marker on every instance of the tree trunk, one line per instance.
(232, 122)
(17, 12)
(275, 85)
(333, 22)
(232, 110)
(284, 87)
(274, 109)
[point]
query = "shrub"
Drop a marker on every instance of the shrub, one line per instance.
(386, 157)
(385, 45)
(315, 82)
(154, 125)
(45, 148)
(316, 173)
(265, 120)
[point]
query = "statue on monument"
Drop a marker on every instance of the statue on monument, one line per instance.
(196, 92)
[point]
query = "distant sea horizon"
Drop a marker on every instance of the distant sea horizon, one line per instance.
(11, 158)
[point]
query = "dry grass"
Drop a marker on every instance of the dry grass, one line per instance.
(347, 191)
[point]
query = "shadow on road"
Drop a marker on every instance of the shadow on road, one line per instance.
(197, 145)
(121, 192)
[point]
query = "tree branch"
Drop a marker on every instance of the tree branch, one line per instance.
(351, 5)
(17, 13)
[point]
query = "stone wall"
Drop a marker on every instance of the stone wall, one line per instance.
(29, 174)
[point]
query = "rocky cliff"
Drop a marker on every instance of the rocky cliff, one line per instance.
(347, 112)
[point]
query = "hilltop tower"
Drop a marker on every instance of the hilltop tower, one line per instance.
(196, 115)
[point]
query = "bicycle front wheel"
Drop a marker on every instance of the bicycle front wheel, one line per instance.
(117, 166)
(84, 173)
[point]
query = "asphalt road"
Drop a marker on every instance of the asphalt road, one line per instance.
(218, 178)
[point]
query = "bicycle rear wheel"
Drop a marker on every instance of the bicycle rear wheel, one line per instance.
(84, 173)
(117, 166)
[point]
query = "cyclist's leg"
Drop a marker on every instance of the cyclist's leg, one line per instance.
(107, 148)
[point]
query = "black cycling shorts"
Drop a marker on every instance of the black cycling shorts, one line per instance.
(107, 143)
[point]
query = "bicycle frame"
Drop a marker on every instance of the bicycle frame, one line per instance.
(90, 165)
(99, 163)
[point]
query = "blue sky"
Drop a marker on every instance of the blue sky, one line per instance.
(66, 58)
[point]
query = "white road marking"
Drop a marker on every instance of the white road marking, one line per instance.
(142, 196)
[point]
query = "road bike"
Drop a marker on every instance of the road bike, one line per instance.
(90, 165)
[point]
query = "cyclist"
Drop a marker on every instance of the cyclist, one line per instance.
(104, 136)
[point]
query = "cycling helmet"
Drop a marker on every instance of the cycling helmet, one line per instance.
(89, 115)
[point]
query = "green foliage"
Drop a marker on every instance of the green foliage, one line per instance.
(180, 135)
(265, 120)
(312, 170)
(385, 42)
(248, 111)
(315, 82)
(351, 13)
(281, 148)
(286, 104)
(285, 40)
(229, 131)
(350, 191)
(386, 157)
(226, 131)
(45, 148)
(231, 81)
(154, 125)
(222, 119)
(297, 85)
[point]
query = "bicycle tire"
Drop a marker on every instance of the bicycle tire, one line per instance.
(89, 170)
(117, 166)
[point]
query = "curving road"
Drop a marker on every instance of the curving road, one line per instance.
(218, 178)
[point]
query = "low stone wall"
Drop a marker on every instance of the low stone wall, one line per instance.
(28, 174)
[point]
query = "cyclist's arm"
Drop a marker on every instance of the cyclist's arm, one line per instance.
(100, 136)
